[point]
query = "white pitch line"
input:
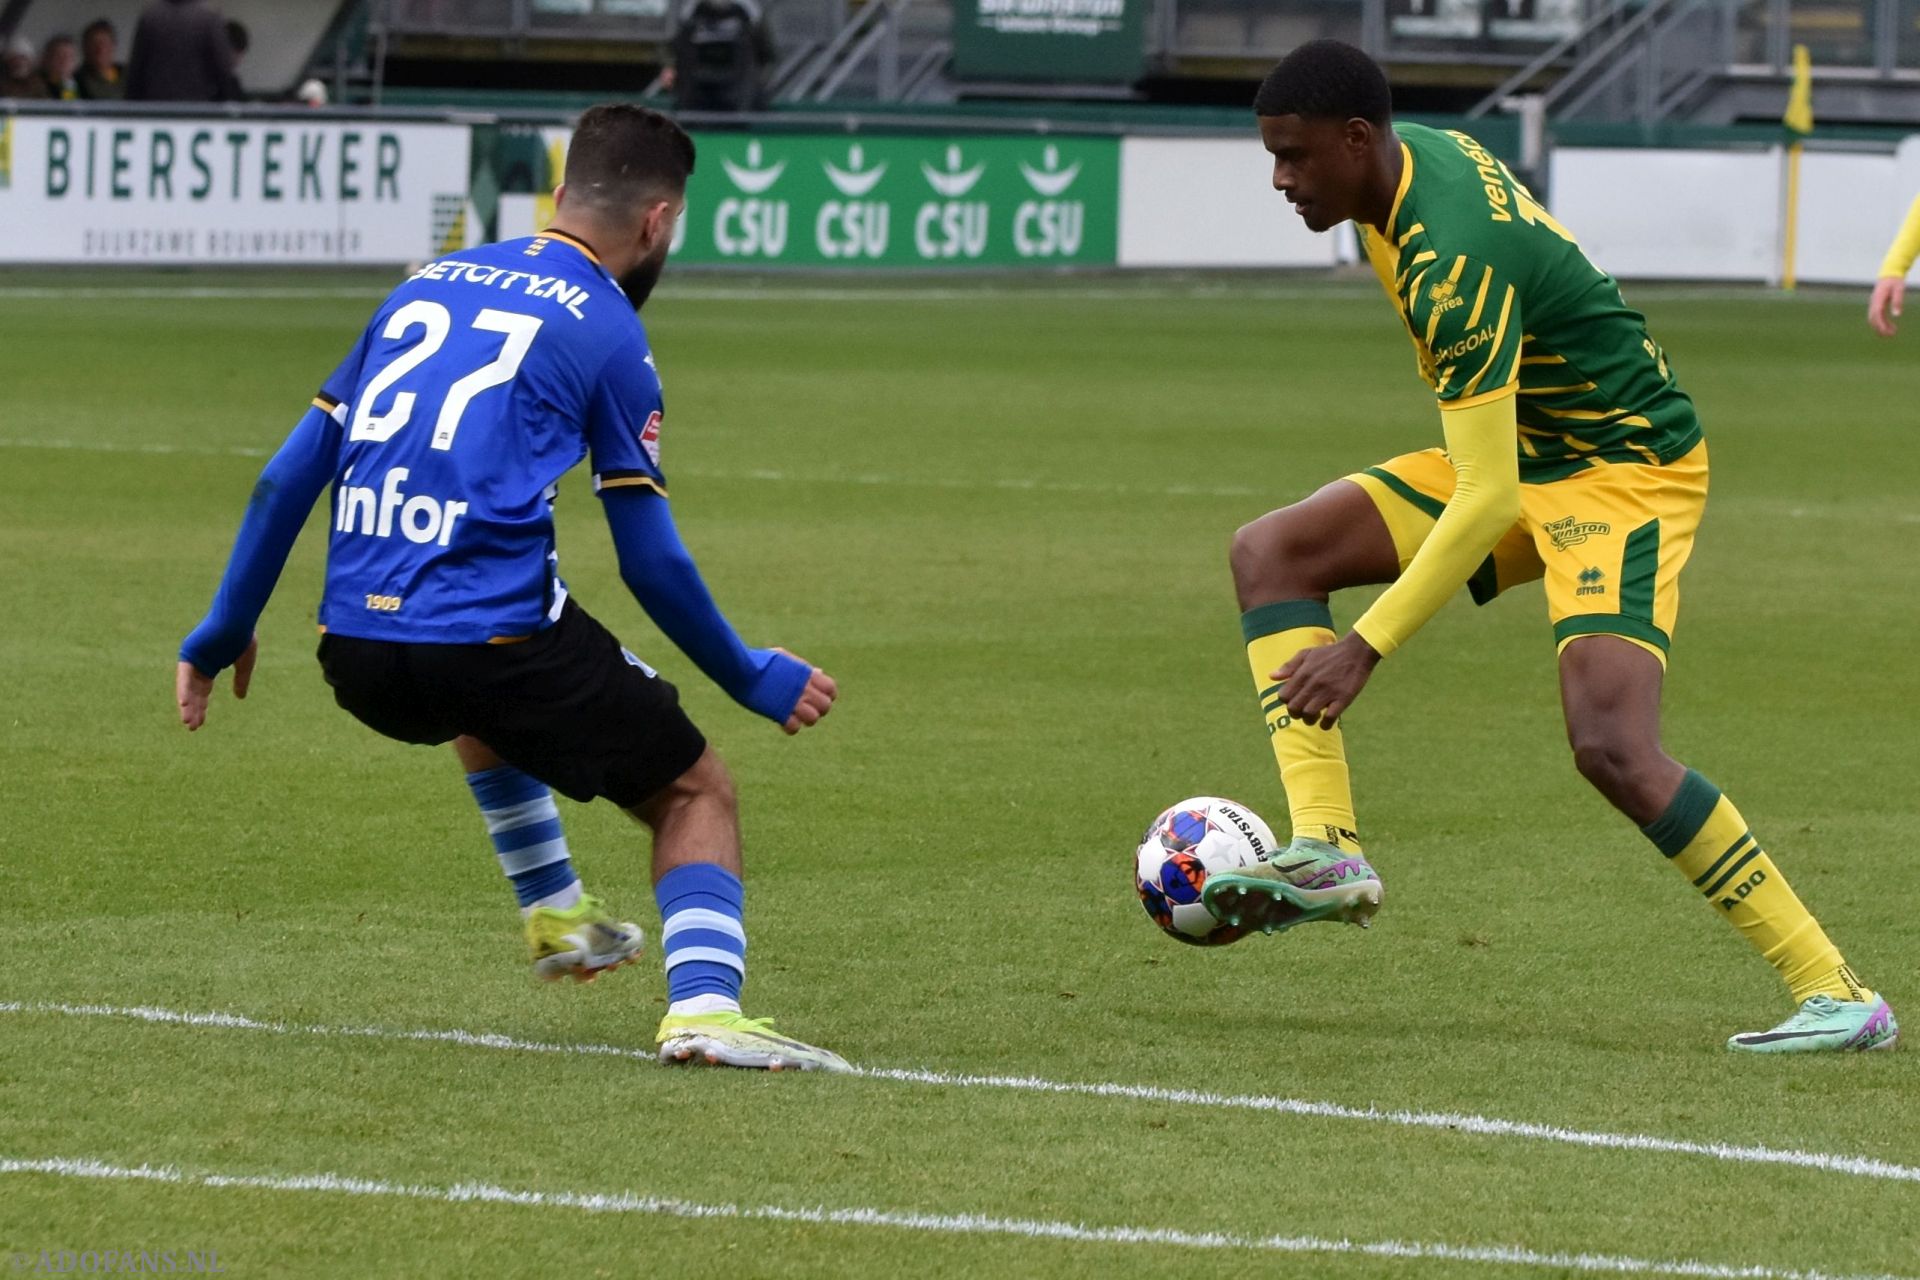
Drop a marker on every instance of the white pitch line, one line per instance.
(938, 1223)
(1457, 1122)
(868, 480)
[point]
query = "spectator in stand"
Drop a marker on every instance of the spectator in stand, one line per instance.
(239, 40)
(181, 53)
(721, 55)
(101, 77)
(19, 75)
(59, 59)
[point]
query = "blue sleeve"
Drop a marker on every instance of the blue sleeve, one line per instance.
(658, 569)
(624, 413)
(285, 493)
(340, 385)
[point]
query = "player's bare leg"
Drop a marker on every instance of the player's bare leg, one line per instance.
(475, 755)
(1285, 567)
(1327, 542)
(570, 933)
(695, 818)
(696, 871)
(1610, 690)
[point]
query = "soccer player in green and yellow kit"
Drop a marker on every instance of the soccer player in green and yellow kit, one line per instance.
(1571, 455)
(1890, 288)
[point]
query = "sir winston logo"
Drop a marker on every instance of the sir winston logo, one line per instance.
(1569, 533)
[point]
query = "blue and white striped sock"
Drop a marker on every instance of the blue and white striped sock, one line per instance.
(525, 826)
(702, 937)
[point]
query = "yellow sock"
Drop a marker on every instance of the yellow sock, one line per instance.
(1708, 841)
(1312, 760)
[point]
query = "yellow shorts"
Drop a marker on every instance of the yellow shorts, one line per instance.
(1610, 541)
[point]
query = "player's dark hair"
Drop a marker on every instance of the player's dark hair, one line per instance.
(98, 24)
(1326, 80)
(624, 155)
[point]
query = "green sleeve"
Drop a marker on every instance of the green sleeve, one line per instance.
(1466, 317)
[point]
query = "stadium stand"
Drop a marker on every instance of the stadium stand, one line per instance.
(1653, 63)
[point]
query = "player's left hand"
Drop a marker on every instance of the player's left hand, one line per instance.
(1323, 681)
(1883, 308)
(815, 700)
(191, 689)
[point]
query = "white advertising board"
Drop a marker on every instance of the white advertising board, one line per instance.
(211, 191)
(1850, 206)
(1210, 202)
(1647, 214)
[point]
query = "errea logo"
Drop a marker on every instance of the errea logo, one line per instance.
(1445, 296)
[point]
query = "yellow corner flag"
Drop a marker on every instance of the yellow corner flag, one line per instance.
(1799, 116)
(1798, 119)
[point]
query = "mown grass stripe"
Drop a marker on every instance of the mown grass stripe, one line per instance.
(1481, 1126)
(974, 1224)
(862, 480)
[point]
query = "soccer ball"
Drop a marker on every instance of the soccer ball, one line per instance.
(1183, 846)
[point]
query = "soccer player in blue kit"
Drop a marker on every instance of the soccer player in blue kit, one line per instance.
(476, 386)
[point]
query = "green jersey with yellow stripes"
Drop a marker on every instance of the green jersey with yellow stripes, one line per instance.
(1498, 298)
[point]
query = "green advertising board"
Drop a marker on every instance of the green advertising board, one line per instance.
(814, 200)
(1090, 41)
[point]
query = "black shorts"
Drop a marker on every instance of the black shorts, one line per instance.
(568, 705)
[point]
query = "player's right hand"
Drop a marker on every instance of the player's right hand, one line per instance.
(191, 689)
(815, 700)
(1883, 309)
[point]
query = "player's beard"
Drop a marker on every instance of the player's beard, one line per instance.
(638, 283)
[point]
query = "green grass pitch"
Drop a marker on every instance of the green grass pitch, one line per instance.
(1000, 516)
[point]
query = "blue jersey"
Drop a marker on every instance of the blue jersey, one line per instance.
(476, 386)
